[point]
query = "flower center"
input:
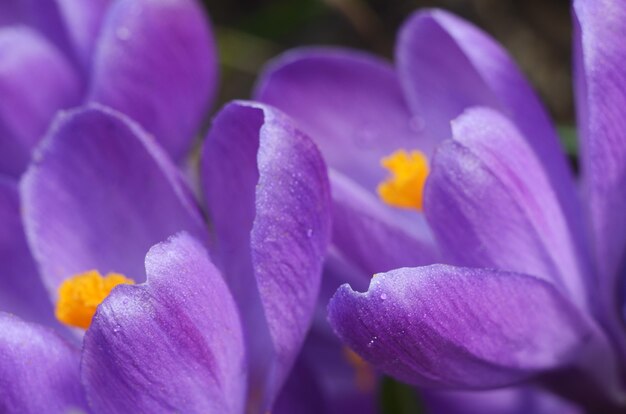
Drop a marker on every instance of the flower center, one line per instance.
(405, 186)
(80, 295)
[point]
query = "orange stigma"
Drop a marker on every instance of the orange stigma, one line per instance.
(405, 187)
(80, 295)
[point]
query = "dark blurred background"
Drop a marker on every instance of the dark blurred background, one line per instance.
(536, 32)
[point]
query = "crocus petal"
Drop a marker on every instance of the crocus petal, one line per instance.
(349, 103)
(9, 12)
(346, 384)
(375, 237)
(21, 290)
(301, 394)
(39, 371)
(490, 204)
(98, 194)
(42, 15)
(36, 80)
(447, 65)
(447, 327)
(521, 399)
(174, 344)
(268, 197)
(156, 62)
(83, 21)
(600, 28)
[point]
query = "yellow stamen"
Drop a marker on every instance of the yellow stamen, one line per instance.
(80, 295)
(405, 187)
(364, 374)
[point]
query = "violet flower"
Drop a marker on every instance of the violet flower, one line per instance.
(202, 334)
(153, 60)
(537, 290)
(57, 54)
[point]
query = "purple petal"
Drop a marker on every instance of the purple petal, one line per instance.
(601, 102)
(83, 21)
(42, 15)
(100, 193)
(156, 62)
(349, 102)
(10, 12)
(375, 237)
(344, 387)
(174, 344)
(447, 327)
(511, 400)
(490, 204)
(268, 197)
(38, 370)
(301, 394)
(447, 65)
(36, 81)
(21, 289)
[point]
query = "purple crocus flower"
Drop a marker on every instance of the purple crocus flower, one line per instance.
(58, 53)
(203, 333)
(534, 282)
(153, 60)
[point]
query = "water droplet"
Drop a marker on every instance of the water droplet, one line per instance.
(383, 296)
(309, 232)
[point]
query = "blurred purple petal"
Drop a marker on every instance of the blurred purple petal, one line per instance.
(522, 399)
(21, 289)
(10, 12)
(42, 15)
(173, 344)
(374, 236)
(268, 197)
(83, 21)
(447, 65)
(156, 62)
(490, 204)
(600, 29)
(36, 81)
(348, 102)
(447, 327)
(301, 394)
(38, 370)
(99, 193)
(344, 385)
